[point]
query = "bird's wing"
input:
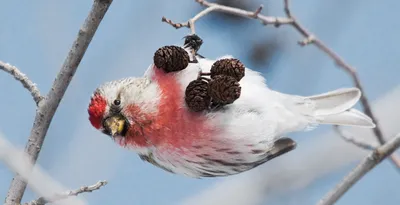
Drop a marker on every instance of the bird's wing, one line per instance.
(223, 161)
(281, 146)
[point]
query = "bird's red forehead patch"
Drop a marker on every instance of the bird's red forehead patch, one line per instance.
(96, 110)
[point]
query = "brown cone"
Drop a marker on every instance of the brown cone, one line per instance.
(230, 67)
(224, 89)
(196, 95)
(171, 58)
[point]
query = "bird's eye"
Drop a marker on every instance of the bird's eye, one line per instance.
(117, 102)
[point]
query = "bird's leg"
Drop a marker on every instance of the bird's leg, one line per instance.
(203, 78)
(193, 42)
(216, 106)
(204, 74)
(201, 74)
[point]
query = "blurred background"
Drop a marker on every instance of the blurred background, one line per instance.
(36, 37)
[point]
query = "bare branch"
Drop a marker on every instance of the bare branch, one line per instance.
(309, 40)
(312, 39)
(175, 25)
(58, 197)
(266, 20)
(190, 22)
(39, 181)
(358, 172)
(287, 9)
(21, 77)
(364, 145)
(47, 109)
(258, 11)
(349, 138)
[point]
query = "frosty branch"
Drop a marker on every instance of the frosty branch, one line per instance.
(61, 196)
(25, 81)
(368, 163)
(309, 38)
(49, 104)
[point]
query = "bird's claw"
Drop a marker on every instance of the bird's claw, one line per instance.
(193, 42)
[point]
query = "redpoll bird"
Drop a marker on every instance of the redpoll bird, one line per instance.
(149, 115)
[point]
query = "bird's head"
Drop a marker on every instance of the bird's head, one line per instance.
(109, 105)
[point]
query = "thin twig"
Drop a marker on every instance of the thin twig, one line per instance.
(312, 39)
(258, 11)
(266, 20)
(309, 38)
(25, 81)
(349, 138)
(61, 196)
(190, 22)
(47, 109)
(358, 172)
(362, 144)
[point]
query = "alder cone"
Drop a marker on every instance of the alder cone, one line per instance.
(196, 95)
(228, 66)
(171, 58)
(224, 89)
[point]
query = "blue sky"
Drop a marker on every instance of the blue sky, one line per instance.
(36, 36)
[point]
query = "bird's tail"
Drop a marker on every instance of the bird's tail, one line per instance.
(335, 108)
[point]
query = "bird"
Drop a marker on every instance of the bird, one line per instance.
(149, 115)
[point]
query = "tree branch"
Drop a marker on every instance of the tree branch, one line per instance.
(312, 39)
(309, 38)
(58, 197)
(362, 144)
(39, 181)
(266, 20)
(21, 77)
(358, 172)
(349, 138)
(47, 109)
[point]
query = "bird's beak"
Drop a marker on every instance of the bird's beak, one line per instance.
(116, 125)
